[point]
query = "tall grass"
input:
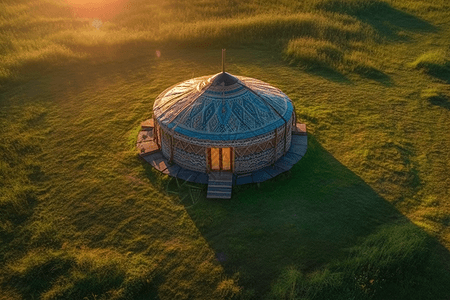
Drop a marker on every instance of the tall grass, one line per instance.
(46, 34)
(396, 255)
(82, 273)
(351, 6)
(430, 61)
(317, 54)
(18, 170)
(436, 63)
(264, 27)
(314, 53)
(24, 26)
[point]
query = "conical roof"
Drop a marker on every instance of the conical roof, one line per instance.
(222, 107)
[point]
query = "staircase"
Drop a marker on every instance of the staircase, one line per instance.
(220, 185)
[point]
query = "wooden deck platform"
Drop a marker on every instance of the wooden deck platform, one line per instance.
(145, 142)
(220, 184)
(148, 124)
(299, 129)
(147, 148)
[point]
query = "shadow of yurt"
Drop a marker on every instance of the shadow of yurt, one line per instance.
(309, 218)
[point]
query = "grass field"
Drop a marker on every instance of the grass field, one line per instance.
(364, 215)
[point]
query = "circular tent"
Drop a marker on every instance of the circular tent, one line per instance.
(224, 123)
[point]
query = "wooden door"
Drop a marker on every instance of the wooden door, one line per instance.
(215, 159)
(220, 159)
(226, 159)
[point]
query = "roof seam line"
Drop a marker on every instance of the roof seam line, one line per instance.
(259, 96)
(188, 110)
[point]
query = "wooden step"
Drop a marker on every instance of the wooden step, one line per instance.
(148, 124)
(212, 195)
(220, 185)
(299, 129)
(219, 191)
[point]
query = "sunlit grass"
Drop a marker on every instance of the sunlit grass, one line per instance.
(86, 272)
(34, 35)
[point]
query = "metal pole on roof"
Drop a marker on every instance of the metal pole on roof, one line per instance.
(223, 60)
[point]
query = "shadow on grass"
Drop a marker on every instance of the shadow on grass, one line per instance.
(439, 71)
(307, 218)
(385, 19)
(389, 21)
(363, 71)
(440, 100)
(374, 74)
(325, 70)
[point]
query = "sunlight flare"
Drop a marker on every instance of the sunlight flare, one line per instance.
(97, 23)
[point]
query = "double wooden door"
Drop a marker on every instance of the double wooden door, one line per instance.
(220, 159)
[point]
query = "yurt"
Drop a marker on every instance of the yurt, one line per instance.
(225, 127)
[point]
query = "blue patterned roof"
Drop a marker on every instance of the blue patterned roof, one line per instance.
(222, 107)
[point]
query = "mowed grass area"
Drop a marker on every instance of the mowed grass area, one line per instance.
(364, 215)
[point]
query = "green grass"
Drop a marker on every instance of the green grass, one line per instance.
(321, 55)
(402, 257)
(435, 63)
(364, 215)
(82, 273)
